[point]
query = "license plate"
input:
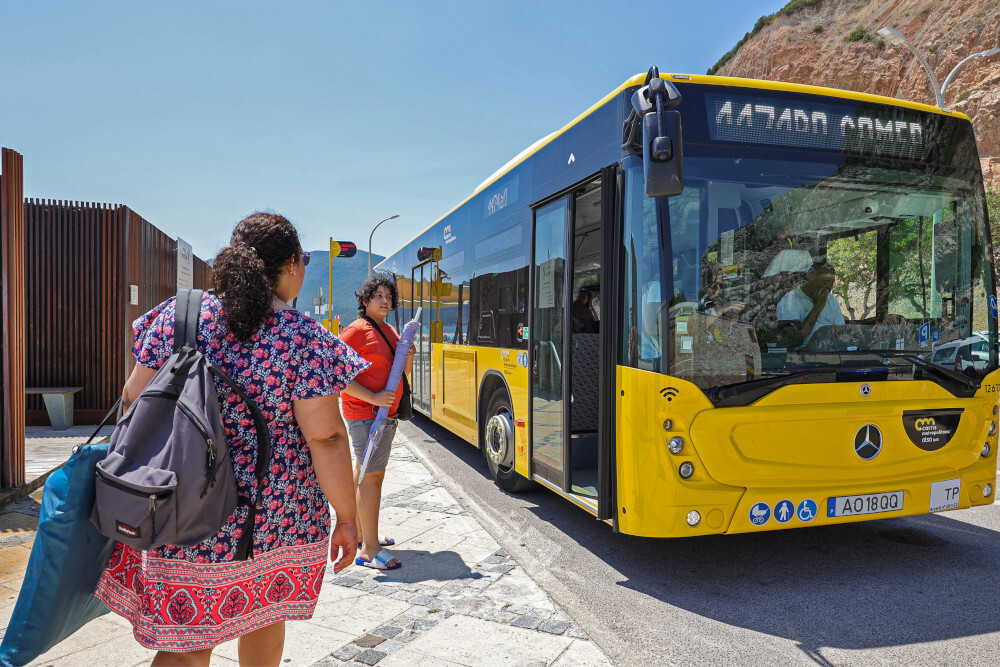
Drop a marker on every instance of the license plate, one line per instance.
(869, 503)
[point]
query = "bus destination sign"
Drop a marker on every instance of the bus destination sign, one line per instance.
(756, 120)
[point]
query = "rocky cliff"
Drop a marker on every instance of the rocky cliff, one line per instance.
(834, 43)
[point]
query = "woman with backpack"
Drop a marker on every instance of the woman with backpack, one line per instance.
(184, 601)
(375, 340)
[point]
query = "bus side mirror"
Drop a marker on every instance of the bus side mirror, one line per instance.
(662, 154)
(662, 145)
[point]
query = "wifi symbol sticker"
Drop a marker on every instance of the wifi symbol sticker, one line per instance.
(669, 392)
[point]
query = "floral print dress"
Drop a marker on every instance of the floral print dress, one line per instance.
(186, 599)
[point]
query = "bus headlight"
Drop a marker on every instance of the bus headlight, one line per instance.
(996, 409)
(694, 518)
(675, 445)
(686, 470)
(986, 450)
(987, 490)
(668, 424)
(993, 428)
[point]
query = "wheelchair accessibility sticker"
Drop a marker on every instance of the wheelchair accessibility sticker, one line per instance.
(760, 513)
(807, 510)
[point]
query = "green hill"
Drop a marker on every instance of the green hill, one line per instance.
(347, 277)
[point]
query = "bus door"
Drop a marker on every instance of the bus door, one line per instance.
(567, 371)
(424, 297)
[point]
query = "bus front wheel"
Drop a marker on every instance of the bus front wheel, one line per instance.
(498, 444)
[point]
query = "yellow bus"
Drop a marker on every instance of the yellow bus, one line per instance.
(777, 313)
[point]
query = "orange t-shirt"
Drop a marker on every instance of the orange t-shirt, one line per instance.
(364, 340)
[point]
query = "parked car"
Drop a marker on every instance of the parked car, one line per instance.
(969, 355)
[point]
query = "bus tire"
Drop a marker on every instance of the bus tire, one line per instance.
(498, 444)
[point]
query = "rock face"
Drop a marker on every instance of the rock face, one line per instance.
(808, 45)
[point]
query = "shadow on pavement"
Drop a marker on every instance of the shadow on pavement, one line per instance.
(420, 566)
(881, 583)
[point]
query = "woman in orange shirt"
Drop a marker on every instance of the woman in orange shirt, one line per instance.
(360, 401)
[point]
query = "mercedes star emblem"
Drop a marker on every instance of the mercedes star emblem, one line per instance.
(866, 390)
(868, 442)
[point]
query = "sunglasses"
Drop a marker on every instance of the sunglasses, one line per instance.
(305, 258)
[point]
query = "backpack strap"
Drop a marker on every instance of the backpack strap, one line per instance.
(380, 333)
(187, 312)
(244, 549)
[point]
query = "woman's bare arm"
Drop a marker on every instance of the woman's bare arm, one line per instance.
(325, 433)
(382, 398)
(136, 382)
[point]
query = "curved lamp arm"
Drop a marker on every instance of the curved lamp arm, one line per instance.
(893, 36)
(974, 56)
(391, 217)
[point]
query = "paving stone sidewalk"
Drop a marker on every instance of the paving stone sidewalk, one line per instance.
(459, 599)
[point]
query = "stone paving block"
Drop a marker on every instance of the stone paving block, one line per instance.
(369, 656)
(402, 595)
(366, 585)
(503, 568)
(519, 609)
(346, 582)
(422, 600)
(369, 641)
(387, 631)
(406, 636)
(577, 633)
(384, 590)
(528, 622)
(554, 627)
(347, 652)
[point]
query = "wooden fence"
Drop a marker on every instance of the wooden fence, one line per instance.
(93, 269)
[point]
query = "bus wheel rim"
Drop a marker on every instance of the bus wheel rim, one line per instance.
(499, 439)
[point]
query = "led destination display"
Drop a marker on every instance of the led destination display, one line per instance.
(759, 120)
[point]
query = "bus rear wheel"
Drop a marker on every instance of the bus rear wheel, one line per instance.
(498, 444)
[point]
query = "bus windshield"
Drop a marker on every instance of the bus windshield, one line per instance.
(810, 267)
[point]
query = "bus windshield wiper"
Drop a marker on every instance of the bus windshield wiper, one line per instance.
(968, 385)
(745, 393)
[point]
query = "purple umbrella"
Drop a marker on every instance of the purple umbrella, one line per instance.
(395, 375)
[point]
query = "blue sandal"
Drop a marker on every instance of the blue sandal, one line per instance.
(379, 562)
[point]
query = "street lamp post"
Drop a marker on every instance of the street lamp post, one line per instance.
(391, 217)
(895, 37)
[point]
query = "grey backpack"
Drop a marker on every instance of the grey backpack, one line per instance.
(168, 477)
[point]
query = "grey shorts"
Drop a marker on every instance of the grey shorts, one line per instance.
(358, 429)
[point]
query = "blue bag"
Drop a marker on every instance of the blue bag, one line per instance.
(67, 560)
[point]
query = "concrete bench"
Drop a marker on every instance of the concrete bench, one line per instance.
(58, 403)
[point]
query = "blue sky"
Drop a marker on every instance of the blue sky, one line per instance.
(334, 114)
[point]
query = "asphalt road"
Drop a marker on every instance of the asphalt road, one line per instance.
(914, 591)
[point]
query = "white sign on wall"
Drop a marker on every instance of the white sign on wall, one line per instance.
(185, 265)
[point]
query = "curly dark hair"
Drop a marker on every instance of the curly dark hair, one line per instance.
(246, 272)
(370, 286)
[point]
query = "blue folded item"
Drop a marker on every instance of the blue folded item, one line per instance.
(67, 560)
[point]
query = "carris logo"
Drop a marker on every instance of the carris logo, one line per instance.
(926, 423)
